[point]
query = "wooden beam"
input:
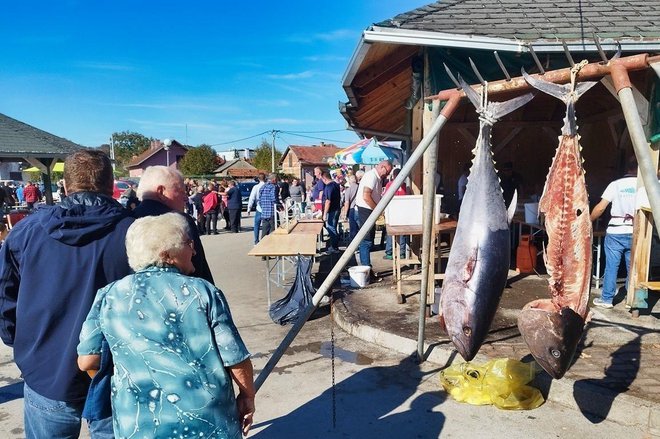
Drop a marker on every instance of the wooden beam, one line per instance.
(468, 135)
(509, 137)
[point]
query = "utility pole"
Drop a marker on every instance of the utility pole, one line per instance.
(272, 151)
(112, 150)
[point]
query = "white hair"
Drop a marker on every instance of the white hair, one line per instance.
(359, 174)
(155, 176)
(150, 237)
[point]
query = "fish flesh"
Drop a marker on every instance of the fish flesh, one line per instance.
(552, 328)
(480, 254)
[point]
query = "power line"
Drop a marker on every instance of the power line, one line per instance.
(317, 138)
(240, 140)
(319, 132)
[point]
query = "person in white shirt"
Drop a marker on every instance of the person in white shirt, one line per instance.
(254, 201)
(368, 195)
(618, 236)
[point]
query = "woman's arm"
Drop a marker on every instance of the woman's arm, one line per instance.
(242, 374)
(89, 363)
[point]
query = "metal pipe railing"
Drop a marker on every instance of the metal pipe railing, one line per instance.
(445, 114)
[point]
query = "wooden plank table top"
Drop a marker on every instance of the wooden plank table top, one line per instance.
(443, 226)
(303, 227)
(285, 245)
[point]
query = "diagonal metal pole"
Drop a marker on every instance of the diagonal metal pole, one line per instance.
(428, 283)
(326, 286)
(647, 167)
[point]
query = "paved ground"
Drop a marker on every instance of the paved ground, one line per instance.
(379, 393)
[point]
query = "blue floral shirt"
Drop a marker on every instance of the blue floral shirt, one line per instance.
(171, 337)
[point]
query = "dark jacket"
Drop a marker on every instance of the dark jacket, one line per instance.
(234, 198)
(154, 208)
(51, 265)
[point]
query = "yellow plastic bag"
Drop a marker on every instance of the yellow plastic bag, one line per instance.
(501, 382)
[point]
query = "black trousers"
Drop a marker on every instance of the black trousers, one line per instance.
(235, 220)
(211, 222)
(267, 225)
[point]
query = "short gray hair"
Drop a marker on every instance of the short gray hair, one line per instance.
(155, 176)
(151, 236)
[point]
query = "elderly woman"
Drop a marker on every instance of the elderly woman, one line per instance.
(173, 341)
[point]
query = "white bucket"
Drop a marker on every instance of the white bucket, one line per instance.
(532, 213)
(359, 276)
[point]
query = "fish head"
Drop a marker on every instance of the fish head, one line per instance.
(464, 331)
(552, 337)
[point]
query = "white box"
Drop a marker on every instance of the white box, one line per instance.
(406, 210)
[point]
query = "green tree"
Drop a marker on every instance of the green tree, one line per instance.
(201, 160)
(262, 156)
(127, 145)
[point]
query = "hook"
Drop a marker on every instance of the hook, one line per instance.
(499, 61)
(600, 48)
(536, 59)
(452, 77)
(476, 72)
(568, 54)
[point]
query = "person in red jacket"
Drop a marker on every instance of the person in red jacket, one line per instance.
(31, 194)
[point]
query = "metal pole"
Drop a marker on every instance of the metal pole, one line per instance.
(428, 235)
(272, 153)
(647, 168)
(446, 113)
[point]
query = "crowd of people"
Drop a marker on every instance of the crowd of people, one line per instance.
(133, 287)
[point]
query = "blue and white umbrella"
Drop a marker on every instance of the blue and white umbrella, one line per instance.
(369, 152)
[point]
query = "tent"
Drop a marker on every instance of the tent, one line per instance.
(370, 152)
(59, 167)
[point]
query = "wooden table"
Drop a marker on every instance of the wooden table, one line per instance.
(281, 247)
(445, 226)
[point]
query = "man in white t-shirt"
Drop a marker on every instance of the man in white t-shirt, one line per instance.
(618, 236)
(368, 195)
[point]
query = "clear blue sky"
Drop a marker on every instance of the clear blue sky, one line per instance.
(85, 69)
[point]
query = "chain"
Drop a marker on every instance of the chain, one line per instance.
(332, 360)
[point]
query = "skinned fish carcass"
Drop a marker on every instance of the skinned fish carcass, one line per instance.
(552, 328)
(480, 253)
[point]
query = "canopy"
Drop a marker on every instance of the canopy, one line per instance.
(369, 152)
(59, 167)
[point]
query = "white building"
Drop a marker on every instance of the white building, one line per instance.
(234, 154)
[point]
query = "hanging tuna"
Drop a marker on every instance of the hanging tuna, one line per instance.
(553, 327)
(479, 260)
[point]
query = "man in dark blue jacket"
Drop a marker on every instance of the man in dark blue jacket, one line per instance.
(42, 311)
(235, 205)
(161, 190)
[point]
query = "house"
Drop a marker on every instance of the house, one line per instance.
(300, 161)
(238, 169)
(400, 61)
(168, 153)
(232, 154)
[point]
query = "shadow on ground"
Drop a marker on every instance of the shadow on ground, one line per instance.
(359, 413)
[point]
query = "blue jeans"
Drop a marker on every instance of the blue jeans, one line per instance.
(615, 246)
(352, 223)
(47, 418)
(257, 226)
(331, 227)
(403, 240)
(368, 241)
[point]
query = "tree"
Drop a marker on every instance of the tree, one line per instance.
(127, 145)
(201, 160)
(262, 156)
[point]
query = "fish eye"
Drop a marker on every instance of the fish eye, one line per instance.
(555, 353)
(467, 330)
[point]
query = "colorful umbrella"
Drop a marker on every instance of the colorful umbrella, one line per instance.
(368, 152)
(59, 167)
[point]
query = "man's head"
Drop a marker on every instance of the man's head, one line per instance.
(163, 184)
(232, 183)
(295, 182)
(88, 171)
(262, 176)
(384, 168)
(317, 172)
(325, 176)
(272, 178)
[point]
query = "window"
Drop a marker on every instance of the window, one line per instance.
(290, 160)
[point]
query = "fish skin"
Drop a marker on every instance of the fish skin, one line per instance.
(552, 328)
(479, 259)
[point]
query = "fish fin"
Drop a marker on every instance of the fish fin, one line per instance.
(582, 87)
(556, 90)
(468, 270)
(470, 93)
(500, 109)
(512, 207)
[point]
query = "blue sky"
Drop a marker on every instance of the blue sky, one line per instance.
(228, 70)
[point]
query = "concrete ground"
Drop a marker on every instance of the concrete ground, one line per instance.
(378, 393)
